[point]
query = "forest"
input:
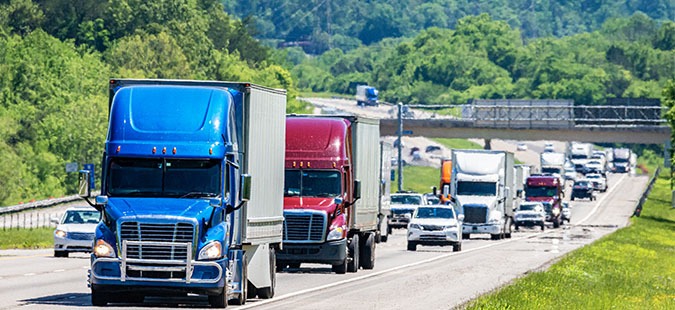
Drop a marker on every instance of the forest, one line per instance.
(57, 56)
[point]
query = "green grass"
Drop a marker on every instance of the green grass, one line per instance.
(460, 144)
(418, 179)
(633, 268)
(27, 238)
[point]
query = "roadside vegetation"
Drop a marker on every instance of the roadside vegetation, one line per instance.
(26, 238)
(633, 268)
(460, 144)
(418, 179)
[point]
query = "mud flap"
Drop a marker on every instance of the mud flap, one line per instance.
(258, 257)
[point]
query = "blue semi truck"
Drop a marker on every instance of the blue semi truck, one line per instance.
(366, 95)
(191, 192)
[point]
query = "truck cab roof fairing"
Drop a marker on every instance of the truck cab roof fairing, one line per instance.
(316, 140)
(147, 116)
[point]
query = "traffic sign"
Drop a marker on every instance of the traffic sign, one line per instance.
(71, 167)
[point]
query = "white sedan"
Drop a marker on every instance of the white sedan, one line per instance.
(435, 225)
(75, 231)
(599, 181)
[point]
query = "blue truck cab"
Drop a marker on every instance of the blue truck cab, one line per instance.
(191, 191)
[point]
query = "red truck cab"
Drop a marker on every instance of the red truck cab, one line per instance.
(547, 189)
(319, 193)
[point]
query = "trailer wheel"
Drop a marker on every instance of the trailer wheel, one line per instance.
(367, 258)
(220, 300)
(353, 264)
(268, 292)
(98, 298)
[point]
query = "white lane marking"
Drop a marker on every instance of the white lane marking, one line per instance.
(599, 203)
(59, 270)
(28, 274)
(374, 274)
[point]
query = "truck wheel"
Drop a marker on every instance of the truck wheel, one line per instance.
(60, 254)
(353, 264)
(542, 227)
(389, 228)
(367, 258)
(466, 236)
(556, 223)
(98, 298)
(341, 268)
(495, 237)
(517, 227)
(220, 300)
(412, 246)
(268, 292)
(572, 198)
(457, 247)
(241, 298)
(508, 228)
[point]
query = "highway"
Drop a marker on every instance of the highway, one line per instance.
(430, 278)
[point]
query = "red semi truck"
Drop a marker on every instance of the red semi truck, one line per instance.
(332, 191)
(546, 188)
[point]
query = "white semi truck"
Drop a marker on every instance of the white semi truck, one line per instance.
(580, 153)
(553, 163)
(482, 183)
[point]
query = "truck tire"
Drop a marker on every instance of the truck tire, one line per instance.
(412, 246)
(268, 292)
(367, 258)
(220, 300)
(496, 236)
(508, 229)
(572, 198)
(98, 298)
(556, 223)
(517, 227)
(241, 298)
(457, 247)
(341, 268)
(542, 227)
(353, 264)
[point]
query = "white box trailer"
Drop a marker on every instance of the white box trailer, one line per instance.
(367, 165)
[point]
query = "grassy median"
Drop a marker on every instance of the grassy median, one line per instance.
(27, 238)
(633, 268)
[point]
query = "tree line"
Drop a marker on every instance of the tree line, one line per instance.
(56, 57)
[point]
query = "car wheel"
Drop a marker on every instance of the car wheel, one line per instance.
(542, 227)
(60, 254)
(457, 247)
(412, 246)
(466, 236)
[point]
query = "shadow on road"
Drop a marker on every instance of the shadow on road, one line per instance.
(84, 300)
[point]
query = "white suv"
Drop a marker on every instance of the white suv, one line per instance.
(435, 225)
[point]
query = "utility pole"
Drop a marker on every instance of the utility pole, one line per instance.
(400, 147)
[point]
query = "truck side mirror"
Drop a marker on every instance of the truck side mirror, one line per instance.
(84, 187)
(357, 189)
(245, 188)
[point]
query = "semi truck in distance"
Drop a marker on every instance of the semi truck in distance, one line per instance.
(547, 189)
(580, 153)
(621, 160)
(481, 186)
(332, 192)
(553, 163)
(190, 194)
(366, 95)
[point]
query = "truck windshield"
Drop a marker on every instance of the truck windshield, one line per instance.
(406, 199)
(540, 191)
(477, 188)
(550, 170)
(312, 183)
(620, 160)
(182, 178)
(579, 156)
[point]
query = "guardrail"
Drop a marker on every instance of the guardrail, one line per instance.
(38, 204)
(643, 198)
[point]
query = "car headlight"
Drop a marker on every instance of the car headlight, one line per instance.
(60, 233)
(213, 250)
(450, 227)
(103, 249)
(414, 226)
(335, 234)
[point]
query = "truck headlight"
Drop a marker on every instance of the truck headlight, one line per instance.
(212, 250)
(414, 226)
(335, 234)
(60, 233)
(103, 249)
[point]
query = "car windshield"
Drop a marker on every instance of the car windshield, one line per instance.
(312, 183)
(81, 217)
(476, 188)
(406, 199)
(581, 184)
(157, 177)
(550, 170)
(527, 207)
(593, 176)
(427, 213)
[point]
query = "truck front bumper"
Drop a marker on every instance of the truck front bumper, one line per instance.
(481, 229)
(330, 252)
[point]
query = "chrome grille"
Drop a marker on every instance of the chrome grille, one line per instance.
(153, 232)
(428, 227)
(80, 236)
(304, 226)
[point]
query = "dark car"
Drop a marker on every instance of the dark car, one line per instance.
(583, 189)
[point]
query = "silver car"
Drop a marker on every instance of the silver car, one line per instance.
(75, 230)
